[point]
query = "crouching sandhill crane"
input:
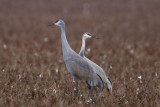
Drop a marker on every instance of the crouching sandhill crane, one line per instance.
(98, 70)
(77, 65)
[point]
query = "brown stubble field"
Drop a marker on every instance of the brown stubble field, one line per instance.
(30, 51)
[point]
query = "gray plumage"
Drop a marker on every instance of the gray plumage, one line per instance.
(76, 65)
(97, 69)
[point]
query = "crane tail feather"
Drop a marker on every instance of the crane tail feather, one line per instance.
(109, 85)
(101, 84)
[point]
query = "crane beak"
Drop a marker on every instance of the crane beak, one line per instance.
(98, 37)
(52, 24)
(95, 37)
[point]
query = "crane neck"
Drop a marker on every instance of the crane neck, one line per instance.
(81, 53)
(65, 46)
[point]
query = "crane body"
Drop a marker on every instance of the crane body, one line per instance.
(97, 69)
(76, 65)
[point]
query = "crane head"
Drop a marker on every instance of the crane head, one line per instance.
(59, 22)
(89, 35)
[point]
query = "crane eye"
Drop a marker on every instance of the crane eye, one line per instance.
(57, 21)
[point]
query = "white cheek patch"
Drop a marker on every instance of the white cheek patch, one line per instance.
(57, 23)
(87, 36)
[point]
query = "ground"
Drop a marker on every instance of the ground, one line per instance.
(32, 70)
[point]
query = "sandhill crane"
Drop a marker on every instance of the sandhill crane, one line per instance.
(98, 70)
(77, 65)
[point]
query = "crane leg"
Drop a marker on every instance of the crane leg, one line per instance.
(76, 90)
(91, 92)
(96, 91)
(89, 87)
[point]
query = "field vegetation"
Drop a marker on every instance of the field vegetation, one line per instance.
(32, 70)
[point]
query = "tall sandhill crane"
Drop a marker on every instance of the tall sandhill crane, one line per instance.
(98, 70)
(79, 68)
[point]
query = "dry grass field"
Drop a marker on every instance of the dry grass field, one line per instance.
(32, 70)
